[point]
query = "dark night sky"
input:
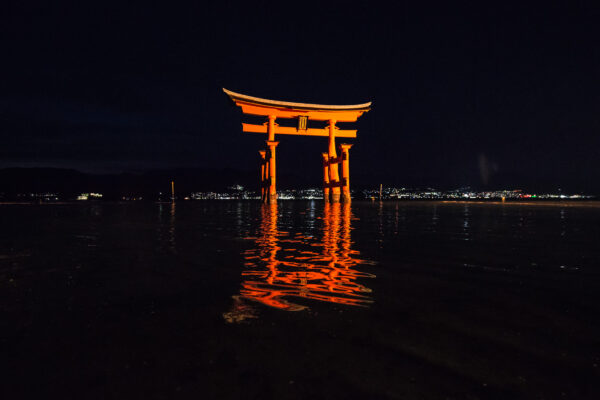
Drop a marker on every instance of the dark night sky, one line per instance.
(503, 94)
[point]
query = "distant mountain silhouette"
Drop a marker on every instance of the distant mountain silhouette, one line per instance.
(69, 183)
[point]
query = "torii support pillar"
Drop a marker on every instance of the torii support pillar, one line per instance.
(326, 177)
(272, 195)
(264, 175)
(344, 149)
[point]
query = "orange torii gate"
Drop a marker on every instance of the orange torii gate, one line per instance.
(303, 112)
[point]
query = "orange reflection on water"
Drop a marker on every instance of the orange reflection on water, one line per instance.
(285, 268)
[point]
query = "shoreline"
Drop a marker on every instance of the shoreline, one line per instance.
(554, 203)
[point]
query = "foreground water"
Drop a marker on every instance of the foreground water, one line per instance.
(301, 300)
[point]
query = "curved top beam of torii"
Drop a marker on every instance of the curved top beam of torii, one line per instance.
(287, 109)
(296, 106)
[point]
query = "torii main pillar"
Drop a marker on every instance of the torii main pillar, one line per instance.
(334, 189)
(334, 176)
(272, 144)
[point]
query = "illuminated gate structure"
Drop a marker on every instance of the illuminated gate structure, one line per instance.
(303, 112)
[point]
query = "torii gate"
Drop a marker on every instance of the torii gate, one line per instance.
(303, 112)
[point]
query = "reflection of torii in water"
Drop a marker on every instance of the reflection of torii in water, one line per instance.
(283, 267)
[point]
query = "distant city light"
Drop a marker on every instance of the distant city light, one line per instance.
(238, 192)
(87, 196)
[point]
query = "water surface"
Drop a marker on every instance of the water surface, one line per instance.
(241, 300)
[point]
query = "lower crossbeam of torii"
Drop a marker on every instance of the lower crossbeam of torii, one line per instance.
(334, 188)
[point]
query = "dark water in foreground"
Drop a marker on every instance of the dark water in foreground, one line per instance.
(239, 300)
